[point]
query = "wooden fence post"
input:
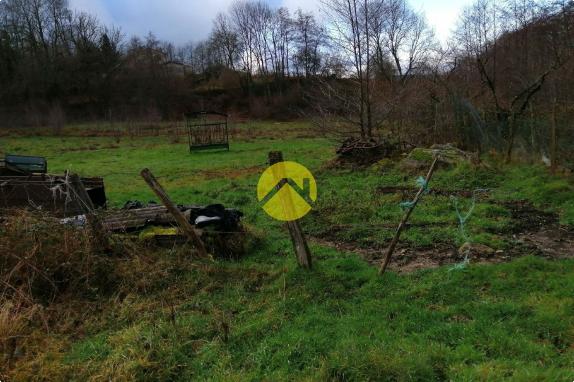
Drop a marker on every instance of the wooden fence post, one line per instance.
(186, 227)
(406, 216)
(297, 236)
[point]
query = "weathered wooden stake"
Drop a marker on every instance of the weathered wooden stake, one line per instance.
(83, 199)
(186, 227)
(406, 216)
(81, 193)
(297, 236)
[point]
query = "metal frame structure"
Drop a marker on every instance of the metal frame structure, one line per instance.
(207, 130)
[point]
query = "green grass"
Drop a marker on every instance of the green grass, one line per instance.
(344, 322)
(372, 217)
(340, 321)
(536, 184)
(184, 175)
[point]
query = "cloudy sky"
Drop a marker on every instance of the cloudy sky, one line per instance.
(181, 21)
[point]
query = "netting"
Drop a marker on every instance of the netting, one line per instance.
(463, 219)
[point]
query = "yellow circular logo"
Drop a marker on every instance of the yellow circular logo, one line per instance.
(287, 191)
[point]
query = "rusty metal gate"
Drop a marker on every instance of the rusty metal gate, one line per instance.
(207, 130)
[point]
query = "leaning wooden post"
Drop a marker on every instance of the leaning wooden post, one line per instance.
(85, 203)
(174, 211)
(297, 237)
(406, 216)
(82, 196)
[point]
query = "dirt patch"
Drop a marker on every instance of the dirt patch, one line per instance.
(539, 232)
(551, 243)
(406, 259)
(230, 173)
(410, 192)
(90, 148)
(360, 153)
(534, 232)
(527, 218)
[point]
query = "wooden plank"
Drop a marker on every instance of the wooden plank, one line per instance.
(300, 245)
(186, 227)
(137, 218)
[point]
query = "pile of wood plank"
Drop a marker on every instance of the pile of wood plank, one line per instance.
(136, 219)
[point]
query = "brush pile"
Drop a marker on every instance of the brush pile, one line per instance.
(54, 277)
(41, 260)
(42, 264)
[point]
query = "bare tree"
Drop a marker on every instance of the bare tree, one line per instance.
(403, 47)
(348, 31)
(225, 40)
(240, 14)
(261, 19)
(401, 35)
(281, 36)
(486, 30)
(381, 39)
(309, 38)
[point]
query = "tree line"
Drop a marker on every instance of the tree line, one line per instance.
(367, 68)
(502, 82)
(56, 61)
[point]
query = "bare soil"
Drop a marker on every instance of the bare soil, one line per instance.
(231, 173)
(540, 232)
(534, 232)
(409, 192)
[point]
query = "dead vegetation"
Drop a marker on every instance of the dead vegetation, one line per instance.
(54, 277)
(42, 265)
(361, 152)
(43, 261)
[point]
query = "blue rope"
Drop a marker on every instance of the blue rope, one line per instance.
(421, 182)
(406, 205)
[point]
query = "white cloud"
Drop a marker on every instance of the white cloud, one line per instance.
(441, 15)
(305, 5)
(443, 22)
(181, 21)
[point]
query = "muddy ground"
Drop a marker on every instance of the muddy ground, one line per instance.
(534, 232)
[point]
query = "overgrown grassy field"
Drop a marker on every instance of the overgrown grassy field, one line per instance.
(262, 318)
